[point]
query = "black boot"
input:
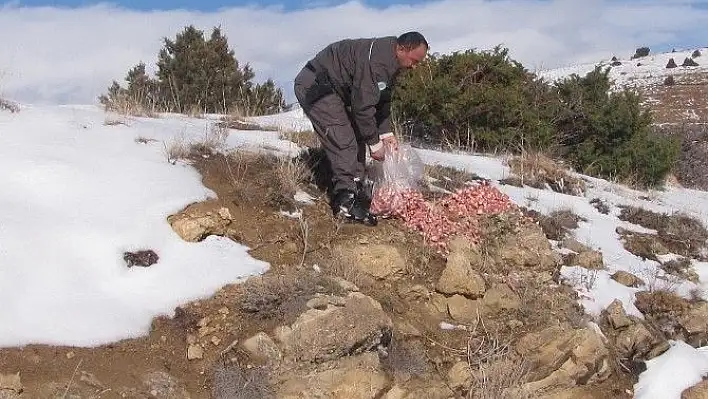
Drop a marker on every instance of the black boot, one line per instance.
(364, 192)
(347, 204)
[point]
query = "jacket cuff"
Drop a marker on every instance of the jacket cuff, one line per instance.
(376, 147)
(385, 135)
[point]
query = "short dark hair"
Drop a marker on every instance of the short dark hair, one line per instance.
(411, 40)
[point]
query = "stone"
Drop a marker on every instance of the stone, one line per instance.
(698, 391)
(356, 377)
(591, 260)
(459, 277)
(459, 377)
(262, 347)
(564, 358)
(380, 261)
(574, 245)
(395, 393)
(195, 224)
(636, 342)
(528, 248)
(696, 319)
(616, 315)
(627, 279)
(501, 297)
(194, 351)
(463, 310)
(321, 335)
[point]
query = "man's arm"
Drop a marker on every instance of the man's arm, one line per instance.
(365, 96)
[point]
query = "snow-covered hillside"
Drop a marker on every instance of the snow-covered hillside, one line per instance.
(639, 72)
(77, 193)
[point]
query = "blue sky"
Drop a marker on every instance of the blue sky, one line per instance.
(213, 5)
(71, 51)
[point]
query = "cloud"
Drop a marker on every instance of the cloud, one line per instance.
(71, 55)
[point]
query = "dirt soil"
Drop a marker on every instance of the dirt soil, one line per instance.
(236, 312)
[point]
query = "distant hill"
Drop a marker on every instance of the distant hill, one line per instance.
(685, 100)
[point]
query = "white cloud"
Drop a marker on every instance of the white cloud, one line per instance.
(55, 55)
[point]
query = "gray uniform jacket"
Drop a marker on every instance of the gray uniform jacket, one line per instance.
(362, 72)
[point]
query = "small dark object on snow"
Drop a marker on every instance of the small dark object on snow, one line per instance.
(689, 62)
(140, 258)
(695, 54)
(614, 58)
(616, 63)
(671, 63)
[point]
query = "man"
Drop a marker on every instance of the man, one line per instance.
(345, 91)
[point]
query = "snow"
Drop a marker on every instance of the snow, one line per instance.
(668, 375)
(75, 195)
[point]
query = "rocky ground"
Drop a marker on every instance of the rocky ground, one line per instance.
(349, 311)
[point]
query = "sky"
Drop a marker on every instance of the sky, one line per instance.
(71, 50)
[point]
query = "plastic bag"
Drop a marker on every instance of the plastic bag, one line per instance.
(401, 171)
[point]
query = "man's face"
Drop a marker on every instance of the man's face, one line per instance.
(409, 59)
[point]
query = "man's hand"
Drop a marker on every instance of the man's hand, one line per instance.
(390, 140)
(378, 151)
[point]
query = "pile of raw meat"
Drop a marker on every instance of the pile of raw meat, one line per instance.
(454, 215)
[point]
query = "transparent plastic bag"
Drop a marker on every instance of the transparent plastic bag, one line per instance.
(401, 170)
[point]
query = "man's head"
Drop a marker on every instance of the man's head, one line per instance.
(411, 48)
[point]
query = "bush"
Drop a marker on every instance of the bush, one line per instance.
(669, 81)
(609, 134)
(671, 63)
(641, 52)
(696, 54)
(485, 101)
(194, 75)
(479, 101)
(689, 62)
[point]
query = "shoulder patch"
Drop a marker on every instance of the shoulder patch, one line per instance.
(382, 86)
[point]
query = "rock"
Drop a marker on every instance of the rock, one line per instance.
(430, 390)
(164, 386)
(378, 260)
(501, 297)
(321, 302)
(464, 310)
(616, 315)
(405, 328)
(395, 393)
(261, 346)
(591, 260)
(10, 386)
(564, 358)
(636, 342)
(357, 377)
(528, 248)
(346, 285)
(460, 376)
(194, 224)
(698, 391)
(459, 277)
(144, 258)
(581, 392)
(695, 321)
(91, 380)
(321, 335)
(627, 279)
(574, 245)
(194, 351)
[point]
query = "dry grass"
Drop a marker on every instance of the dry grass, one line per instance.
(558, 223)
(177, 149)
(662, 310)
(291, 173)
(681, 268)
(406, 359)
(306, 138)
(283, 297)
(679, 233)
(7, 105)
(497, 372)
(450, 179)
(234, 382)
(538, 170)
(130, 105)
(600, 205)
